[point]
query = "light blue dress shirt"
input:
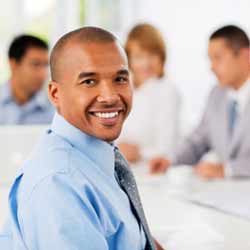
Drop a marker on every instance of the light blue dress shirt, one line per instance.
(66, 197)
(37, 110)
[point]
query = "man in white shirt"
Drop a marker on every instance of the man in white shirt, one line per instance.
(224, 128)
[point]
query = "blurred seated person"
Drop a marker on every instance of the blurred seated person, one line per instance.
(22, 99)
(152, 127)
(224, 129)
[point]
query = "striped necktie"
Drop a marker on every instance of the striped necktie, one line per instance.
(127, 182)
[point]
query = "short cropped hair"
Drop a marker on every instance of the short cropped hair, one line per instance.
(20, 45)
(235, 37)
(86, 34)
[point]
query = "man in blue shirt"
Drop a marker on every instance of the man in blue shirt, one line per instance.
(72, 192)
(22, 100)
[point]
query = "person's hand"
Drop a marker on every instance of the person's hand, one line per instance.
(158, 165)
(130, 151)
(158, 245)
(209, 170)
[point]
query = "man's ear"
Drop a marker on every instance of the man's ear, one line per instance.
(245, 53)
(248, 54)
(53, 93)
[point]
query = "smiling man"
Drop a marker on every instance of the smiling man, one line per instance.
(76, 190)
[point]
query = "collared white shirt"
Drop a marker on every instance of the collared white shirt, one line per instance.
(154, 119)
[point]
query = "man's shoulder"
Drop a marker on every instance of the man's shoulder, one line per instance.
(216, 100)
(4, 89)
(51, 157)
(43, 100)
(218, 92)
(3, 86)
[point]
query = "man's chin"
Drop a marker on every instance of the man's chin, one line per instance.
(109, 136)
(224, 84)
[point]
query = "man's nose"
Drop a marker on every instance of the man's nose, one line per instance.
(108, 94)
(42, 72)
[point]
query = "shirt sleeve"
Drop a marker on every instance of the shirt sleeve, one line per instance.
(198, 143)
(59, 216)
(239, 166)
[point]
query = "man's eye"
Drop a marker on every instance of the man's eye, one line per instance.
(38, 64)
(88, 82)
(121, 79)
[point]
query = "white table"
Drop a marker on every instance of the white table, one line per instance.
(3, 204)
(175, 222)
(180, 224)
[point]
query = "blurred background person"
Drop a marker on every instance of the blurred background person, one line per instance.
(22, 99)
(152, 127)
(224, 128)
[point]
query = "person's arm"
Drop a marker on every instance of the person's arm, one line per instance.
(209, 170)
(58, 216)
(198, 143)
(194, 146)
(158, 245)
(239, 167)
(190, 151)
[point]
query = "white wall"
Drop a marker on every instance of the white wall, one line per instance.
(11, 23)
(186, 26)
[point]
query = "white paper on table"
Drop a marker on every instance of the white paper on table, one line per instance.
(189, 236)
(227, 196)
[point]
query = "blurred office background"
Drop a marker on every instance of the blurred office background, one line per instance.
(186, 26)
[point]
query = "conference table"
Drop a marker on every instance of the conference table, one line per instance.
(177, 222)
(180, 224)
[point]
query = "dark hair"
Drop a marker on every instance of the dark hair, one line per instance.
(86, 34)
(236, 38)
(22, 43)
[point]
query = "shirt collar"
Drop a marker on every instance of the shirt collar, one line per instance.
(6, 96)
(242, 95)
(99, 151)
(39, 100)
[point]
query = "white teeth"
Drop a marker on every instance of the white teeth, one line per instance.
(106, 115)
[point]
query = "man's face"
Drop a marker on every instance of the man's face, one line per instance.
(225, 62)
(31, 71)
(94, 91)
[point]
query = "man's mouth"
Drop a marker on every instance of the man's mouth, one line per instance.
(106, 115)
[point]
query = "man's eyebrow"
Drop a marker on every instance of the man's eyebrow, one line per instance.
(89, 74)
(123, 72)
(86, 74)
